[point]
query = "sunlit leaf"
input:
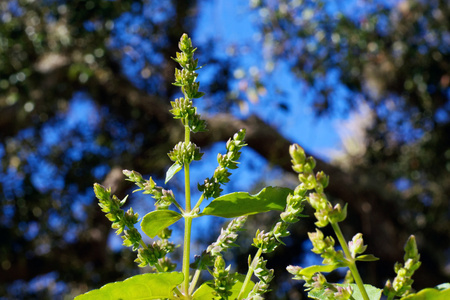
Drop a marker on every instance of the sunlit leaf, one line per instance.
(145, 286)
(174, 169)
(310, 271)
(367, 257)
(242, 203)
(441, 292)
(154, 222)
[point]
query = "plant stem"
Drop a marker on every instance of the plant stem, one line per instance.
(250, 271)
(351, 260)
(194, 281)
(199, 202)
(186, 254)
(187, 220)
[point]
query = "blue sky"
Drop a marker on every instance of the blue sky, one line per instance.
(232, 23)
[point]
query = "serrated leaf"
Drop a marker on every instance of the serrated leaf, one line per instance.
(174, 169)
(242, 203)
(311, 270)
(205, 291)
(154, 222)
(431, 294)
(145, 286)
(373, 292)
(367, 257)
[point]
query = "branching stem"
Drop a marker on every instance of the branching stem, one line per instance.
(350, 259)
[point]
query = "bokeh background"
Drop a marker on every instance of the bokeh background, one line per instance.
(85, 87)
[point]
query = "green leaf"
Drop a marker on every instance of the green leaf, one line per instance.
(205, 291)
(242, 203)
(174, 169)
(373, 292)
(310, 271)
(154, 222)
(145, 286)
(367, 257)
(438, 293)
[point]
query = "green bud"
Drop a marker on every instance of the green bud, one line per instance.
(132, 238)
(219, 263)
(130, 218)
(133, 176)
(319, 281)
(297, 154)
(101, 192)
(317, 201)
(322, 217)
(280, 230)
(356, 245)
(342, 293)
(337, 214)
(308, 180)
(309, 165)
(185, 44)
(322, 179)
(411, 250)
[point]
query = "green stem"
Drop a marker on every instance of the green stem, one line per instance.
(187, 220)
(186, 254)
(194, 281)
(250, 271)
(351, 260)
(199, 202)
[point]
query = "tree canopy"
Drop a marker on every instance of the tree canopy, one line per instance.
(112, 59)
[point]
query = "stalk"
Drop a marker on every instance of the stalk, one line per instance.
(187, 220)
(352, 266)
(249, 273)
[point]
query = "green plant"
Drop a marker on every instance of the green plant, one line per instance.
(166, 283)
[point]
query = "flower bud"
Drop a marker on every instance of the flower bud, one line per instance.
(322, 217)
(101, 193)
(337, 214)
(411, 250)
(356, 245)
(322, 179)
(297, 154)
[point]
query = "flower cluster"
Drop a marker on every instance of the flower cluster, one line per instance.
(223, 280)
(227, 237)
(111, 206)
(265, 276)
(155, 254)
(325, 247)
(185, 153)
(183, 108)
(163, 197)
(316, 283)
(124, 223)
(401, 286)
(211, 186)
(224, 242)
(325, 212)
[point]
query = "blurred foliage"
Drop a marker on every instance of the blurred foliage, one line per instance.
(392, 58)
(112, 58)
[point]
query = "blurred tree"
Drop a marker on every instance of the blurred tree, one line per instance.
(112, 57)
